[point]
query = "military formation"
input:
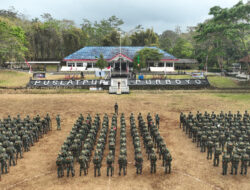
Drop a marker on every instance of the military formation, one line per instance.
(78, 146)
(18, 135)
(82, 141)
(225, 135)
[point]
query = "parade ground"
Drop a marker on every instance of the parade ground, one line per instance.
(190, 168)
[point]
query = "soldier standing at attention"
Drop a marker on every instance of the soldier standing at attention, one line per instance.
(138, 163)
(235, 163)
(244, 162)
(122, 164)
(116, 108)
(225, 161)
(153, 160)
(70, 164)
(110, 161)
(157, 121)
(58, 121)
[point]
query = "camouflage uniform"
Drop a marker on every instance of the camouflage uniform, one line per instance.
(110, 161)
(83, 164)
(235, 163)
(122, 161)
(59, 163)
(58, 121)
(244, 162)
(116, 108)
(153, 160)
(70, 165)
(138, 163)
(97, 165)
(168, 163)
(217, 154)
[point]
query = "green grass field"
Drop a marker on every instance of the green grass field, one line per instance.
(20, 79)
(225, 82)
(13, 78)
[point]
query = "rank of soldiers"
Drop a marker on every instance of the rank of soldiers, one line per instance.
(225, 133)
(82, 140)
(18, 135)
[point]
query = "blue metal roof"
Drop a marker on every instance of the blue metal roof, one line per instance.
(93, 52)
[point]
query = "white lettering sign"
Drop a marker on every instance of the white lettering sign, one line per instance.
(177, 81)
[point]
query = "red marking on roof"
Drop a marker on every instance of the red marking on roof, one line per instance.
(122, 55)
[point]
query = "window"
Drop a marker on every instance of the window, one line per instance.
(71, 64)
(161, 64)
(89, 65)
(79, 65)
(151, 64)
(169, 64)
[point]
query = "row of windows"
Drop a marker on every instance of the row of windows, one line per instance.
(160, 64)
(152, 64)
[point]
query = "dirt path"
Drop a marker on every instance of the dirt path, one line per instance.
(190, 170)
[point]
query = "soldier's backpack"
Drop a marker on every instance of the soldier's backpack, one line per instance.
(59, 161)
(109, 160)
(153, 157)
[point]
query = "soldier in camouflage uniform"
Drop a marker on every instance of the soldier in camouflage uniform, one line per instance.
(11, 151)
(138, 163)
(58, 121)
(116, 108)
(59, 163)
(167, 163)
(244, 163)
(153, 159)
(235, 163)
(210, 146)
(110, 161)
(217, 153)
(4, 162)
(83, 164)
(122, 161)
(70, 164)
(225, 160)
(157, 121)
(19, 147)
(97, 164)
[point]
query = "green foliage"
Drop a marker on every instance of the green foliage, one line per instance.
(101, 62)
(144, 38)
(12, 42)
(103, 32)
(224, 36)
(183, 48)
(144, 56)
(112, 39)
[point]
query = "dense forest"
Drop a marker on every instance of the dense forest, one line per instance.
(217, 42)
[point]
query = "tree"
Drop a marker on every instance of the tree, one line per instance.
(12, 42)
(101, 32)
(167, 40)
(144, 38)
(144, 56)
(112, 39)
(183, 48)
(101, 62)
(227, 32)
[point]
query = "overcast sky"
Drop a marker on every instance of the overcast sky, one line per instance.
(159, 14)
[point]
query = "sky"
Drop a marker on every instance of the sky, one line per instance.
(160, 15)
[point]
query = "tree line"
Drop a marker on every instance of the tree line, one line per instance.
(217, 42)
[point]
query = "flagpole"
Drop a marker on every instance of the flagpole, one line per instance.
(120, 54)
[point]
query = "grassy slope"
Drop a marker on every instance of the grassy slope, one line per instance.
(14, 79)
(225, 82)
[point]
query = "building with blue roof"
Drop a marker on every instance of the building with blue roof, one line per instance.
(119, 58)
